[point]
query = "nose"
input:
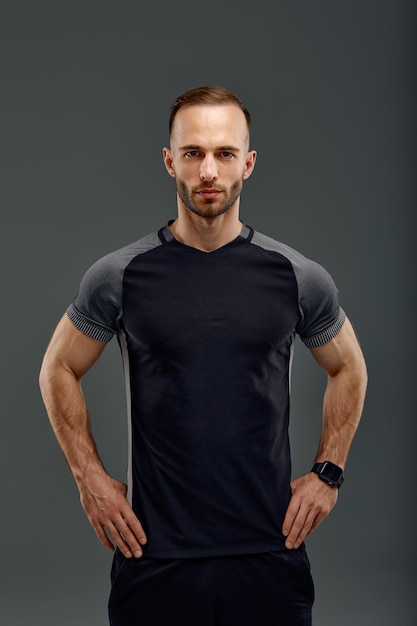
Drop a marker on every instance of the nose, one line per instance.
(208, 169)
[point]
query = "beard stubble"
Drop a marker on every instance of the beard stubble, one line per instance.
(208, 207)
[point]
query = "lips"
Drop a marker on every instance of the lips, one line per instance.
(209, 193)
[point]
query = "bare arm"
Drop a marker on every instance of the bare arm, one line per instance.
(312, 499)
(68, 357)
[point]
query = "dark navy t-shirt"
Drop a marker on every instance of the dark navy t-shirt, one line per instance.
(207, 342)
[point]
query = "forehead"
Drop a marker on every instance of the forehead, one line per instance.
(205, 124)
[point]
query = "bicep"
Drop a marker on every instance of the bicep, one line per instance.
(341, 352)
(71, 350)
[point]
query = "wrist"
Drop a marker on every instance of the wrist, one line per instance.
(329, 473)
(90, 473)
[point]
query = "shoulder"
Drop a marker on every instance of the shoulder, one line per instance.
(272, 245)
(320, 314)
(306, 270)
(118, 259)
(97, 307)
(109, 269)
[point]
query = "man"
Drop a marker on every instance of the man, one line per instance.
(205, 311)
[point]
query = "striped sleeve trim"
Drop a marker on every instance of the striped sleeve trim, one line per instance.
(87, 327)
(327, 335)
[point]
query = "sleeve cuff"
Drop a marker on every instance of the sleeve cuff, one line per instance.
(87, 326)
(327, 335)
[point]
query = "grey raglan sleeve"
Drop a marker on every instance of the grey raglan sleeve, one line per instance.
(97, 308)
(321, 315)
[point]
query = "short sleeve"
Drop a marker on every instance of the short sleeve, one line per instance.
(96, 309)
(321, 315)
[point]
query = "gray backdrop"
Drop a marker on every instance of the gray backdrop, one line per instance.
(86, 87)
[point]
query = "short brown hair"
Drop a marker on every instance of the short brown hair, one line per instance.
(211, 96)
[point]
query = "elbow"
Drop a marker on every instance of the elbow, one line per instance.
(50, 374)
(359, 371)
(45, 375)
(354, 371)
(357, 376)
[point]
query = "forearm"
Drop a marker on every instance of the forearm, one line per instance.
(69, 356)
(312, 499)
(67, 412)
(342, 409)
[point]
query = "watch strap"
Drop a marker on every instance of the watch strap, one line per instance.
(329, 472)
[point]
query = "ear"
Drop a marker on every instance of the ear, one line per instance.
(168, 161)
(249, 164)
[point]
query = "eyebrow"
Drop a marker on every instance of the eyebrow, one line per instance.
(225, 148)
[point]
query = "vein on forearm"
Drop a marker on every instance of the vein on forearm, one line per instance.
(342, 408)
(68, 415)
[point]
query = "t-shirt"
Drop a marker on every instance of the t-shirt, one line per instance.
(207, 342)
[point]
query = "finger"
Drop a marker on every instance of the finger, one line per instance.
(134, 525)
(119, 539)
(300, 525)
(294, 532)
(316, 522)
(101, 534)
(129, 538)
(290, 516)
(300, 531)
(133, 532)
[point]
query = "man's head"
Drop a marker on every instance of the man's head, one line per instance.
(208, 154)
(207, 96)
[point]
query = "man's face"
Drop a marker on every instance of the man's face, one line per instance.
(209, 157)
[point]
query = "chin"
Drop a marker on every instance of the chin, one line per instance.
(209, 211)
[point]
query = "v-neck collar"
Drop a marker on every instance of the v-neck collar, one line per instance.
(166, 235)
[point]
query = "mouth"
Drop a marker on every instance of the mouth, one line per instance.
(209, 193)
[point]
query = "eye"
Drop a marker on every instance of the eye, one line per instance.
(191, 154)
(226, 155)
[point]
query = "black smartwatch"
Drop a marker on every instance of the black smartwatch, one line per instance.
(329, 472)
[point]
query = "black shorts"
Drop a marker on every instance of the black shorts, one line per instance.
(268, 589)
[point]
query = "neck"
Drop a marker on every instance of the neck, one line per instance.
(204, 233)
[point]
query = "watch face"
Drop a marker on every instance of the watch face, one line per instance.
(331, 472)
